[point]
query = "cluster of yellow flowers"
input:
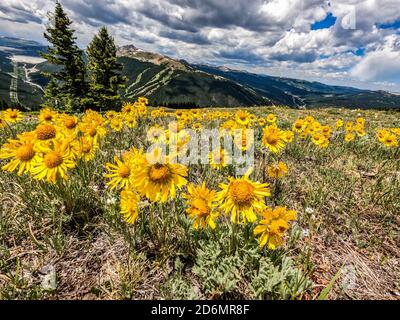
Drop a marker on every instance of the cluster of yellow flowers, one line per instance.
(352, 129)
(320, 134)
(54, 147)
(389, 137)
(60, 142)
(160, 180)
(128, 116)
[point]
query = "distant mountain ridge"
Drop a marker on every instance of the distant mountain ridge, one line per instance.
(20, 46)
(172, 82)
(301, 93)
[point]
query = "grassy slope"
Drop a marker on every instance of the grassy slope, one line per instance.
(5, 78)
(28, 95)
(346, 197)
(168, 85)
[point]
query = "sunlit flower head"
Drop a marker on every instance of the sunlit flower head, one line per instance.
(111, 114)
(349, 137)
(93, 117)
(155, 113)
(45, 132)
(262, 122)
(129, 204)
(179, 113)
(47, 115)
(277, 170)
(87, 148)
(252, 117)
(117, 123)
(390, 140)
(339, 123)
(242, 198)
(197, 126)
(273, 226)
(130, 121)
(128, 108)
(273, 138)
(326, 131)
(288, 136)
(196, 113)
(395, 131)
(242, 140)
(53, 163)
(309, 119)
(228, 127)
(201, 202)
(12, 115)
(141, 109)
(298, 125)
(143, 101)
(360, 121)
(349, 126)
(359, 130)
(318, 139)
(120, 173)
(21, 154)
(303, 135)
(69, 124)
(242, 117)
(271, 118)
(92, 130)
(159, 181)
(382, 133)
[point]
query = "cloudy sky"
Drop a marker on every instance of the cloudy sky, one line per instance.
(345, 42)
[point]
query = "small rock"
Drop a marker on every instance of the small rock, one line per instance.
(309, 210)
(49, 278)
(349, 277)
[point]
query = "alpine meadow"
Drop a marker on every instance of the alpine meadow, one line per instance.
(128, 174)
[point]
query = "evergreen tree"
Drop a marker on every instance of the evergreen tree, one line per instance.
(104, 72)
(67, 84)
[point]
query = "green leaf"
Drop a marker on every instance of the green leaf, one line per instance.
(324, 293)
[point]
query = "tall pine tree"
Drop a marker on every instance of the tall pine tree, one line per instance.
(67, 86)
(105, 76)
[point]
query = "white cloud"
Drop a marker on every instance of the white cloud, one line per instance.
(270, 35)
(381, 65)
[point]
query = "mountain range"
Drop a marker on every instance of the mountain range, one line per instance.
(177, 83)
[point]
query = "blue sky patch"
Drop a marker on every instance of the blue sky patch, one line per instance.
(328, 22)
(359, 52)
(325, 56)
(391, 25)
